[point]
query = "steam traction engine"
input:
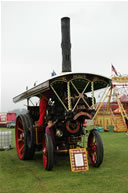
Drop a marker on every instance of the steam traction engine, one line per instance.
(68, 105)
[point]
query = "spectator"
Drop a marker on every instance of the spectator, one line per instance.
(49, 128)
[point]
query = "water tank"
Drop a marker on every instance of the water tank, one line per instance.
(6, 139)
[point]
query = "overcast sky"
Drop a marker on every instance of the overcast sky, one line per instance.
(31, 39)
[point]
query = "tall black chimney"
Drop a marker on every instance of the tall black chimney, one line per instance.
(66, 45)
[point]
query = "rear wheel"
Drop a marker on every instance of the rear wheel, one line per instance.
(30, 136)
(95, 148)
(24, 149)
(48, 152)
(21, 138)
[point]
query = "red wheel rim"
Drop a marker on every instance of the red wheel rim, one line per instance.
(44, 153)
(19, 138)
(92, 150)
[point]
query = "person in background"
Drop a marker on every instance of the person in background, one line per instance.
(50, 128)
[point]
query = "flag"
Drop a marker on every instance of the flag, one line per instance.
(53, 73)
(114, 70)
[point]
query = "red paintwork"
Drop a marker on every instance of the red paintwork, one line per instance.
(44, 153)
(92, 151)
(42, 106)
(19, 133)
(11, 116)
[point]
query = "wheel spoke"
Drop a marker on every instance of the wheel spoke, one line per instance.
(20, 150)
(93, 148)
(19, 129)
(20, 140)
(93, 158)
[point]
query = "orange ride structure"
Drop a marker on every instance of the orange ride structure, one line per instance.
(112, 112)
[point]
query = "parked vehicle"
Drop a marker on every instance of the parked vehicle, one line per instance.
(6, 118)
(11, 124)
(69, 105)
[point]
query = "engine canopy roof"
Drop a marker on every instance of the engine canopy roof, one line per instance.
(98, 80)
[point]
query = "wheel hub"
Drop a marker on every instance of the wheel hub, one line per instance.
(72, 126)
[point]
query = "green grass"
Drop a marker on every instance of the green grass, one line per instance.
(18, 176)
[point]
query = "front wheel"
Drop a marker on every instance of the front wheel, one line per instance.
(95, 148)
(48, 152)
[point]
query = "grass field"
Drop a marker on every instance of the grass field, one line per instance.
(18, 176)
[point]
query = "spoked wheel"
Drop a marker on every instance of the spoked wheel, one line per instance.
(48, 152)
(30, 136)
(24, 149)
(95, 148)
(21, 139)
